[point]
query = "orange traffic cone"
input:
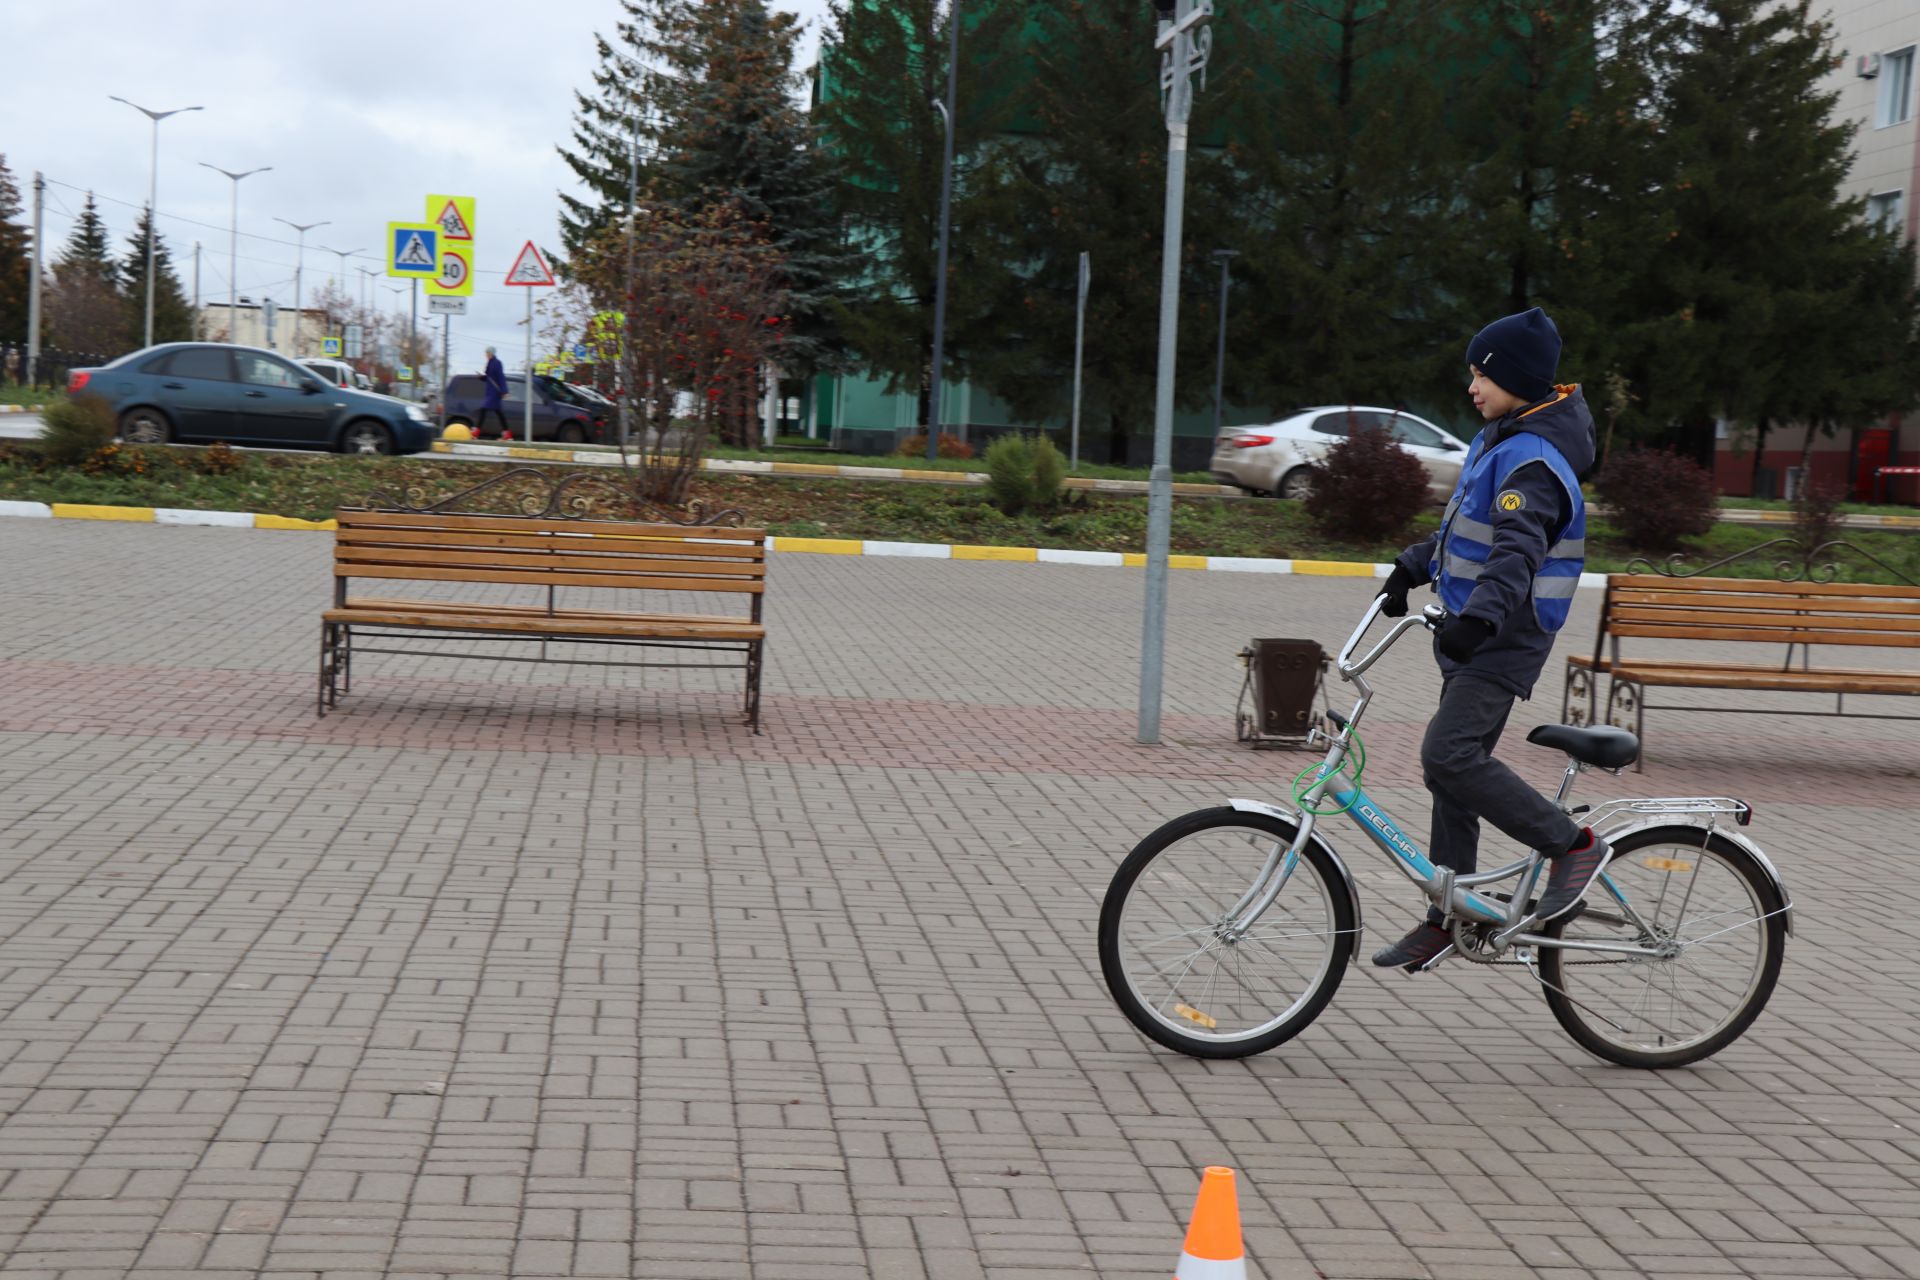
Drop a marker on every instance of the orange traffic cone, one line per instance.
(1214, 1251)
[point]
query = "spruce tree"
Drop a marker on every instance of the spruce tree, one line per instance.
(86, 312)
(1086, 172)
(88, 250)
(605, 120)
(16, 260)
(713, 84)
(1754, 294)
(1355, 266)
(172, 313)
(882, 66)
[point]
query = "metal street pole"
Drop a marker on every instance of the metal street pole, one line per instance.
(153, 197)
(33, 286)
(196, 291)
(446, 374)
(413, 338)
(233, 247)
(946, 110)
(1223, 257)
(526, 380)
(299, 268)
(628, 366)
(1184, 41)
(1079, 351)
(343, 278)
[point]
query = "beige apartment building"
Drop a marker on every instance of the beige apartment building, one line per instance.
(1874, 76)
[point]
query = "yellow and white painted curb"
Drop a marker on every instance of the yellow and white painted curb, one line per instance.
(800, 470)
(157, 515)
(798, 546)
(22, 408)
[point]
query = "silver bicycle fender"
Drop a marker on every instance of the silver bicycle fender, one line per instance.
(1612, 834)
(1353, 889)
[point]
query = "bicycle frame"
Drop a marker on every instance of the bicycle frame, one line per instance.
(1460, 894)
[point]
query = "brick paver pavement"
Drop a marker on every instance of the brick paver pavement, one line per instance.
(503, 971)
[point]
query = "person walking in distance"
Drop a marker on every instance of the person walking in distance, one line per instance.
(491, 398)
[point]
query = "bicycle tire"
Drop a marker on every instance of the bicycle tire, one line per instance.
(1335, 920)
(1574, 988)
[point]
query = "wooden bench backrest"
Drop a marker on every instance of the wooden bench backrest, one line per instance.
(549, 553)
(1757, 609)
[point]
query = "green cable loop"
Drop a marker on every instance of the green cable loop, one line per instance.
(1353, 764)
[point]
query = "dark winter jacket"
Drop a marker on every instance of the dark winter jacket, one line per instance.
(1518, 651)
(496, 383)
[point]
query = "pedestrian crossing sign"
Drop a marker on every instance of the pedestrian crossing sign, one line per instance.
(413, 249)
(329, 346)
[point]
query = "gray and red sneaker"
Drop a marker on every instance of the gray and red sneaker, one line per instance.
(1571, 874)
(1425, 942)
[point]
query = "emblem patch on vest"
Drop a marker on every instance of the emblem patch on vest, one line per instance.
(1510, 500)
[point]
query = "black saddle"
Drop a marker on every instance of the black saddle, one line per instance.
(1600, 745)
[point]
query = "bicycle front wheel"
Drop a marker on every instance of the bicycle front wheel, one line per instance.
(1180, 970)
(1718, 925)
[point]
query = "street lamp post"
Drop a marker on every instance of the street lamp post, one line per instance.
(233, 247)
(946, 110)
(343, 278)
(299, 269)
(629, 365)
(1223, 257)
(1184, 41)
(153, 197)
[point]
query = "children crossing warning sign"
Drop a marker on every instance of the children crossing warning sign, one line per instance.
(453, 215)
(529, 268)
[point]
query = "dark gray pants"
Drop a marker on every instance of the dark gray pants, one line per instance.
(1468, 784)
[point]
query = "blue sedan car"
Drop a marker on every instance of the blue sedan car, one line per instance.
(204, 391)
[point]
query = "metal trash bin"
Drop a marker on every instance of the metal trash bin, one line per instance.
(1285, 680)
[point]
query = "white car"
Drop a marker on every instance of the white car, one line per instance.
(1275, 458)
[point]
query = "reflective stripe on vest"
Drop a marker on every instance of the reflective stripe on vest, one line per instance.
(1466, 532)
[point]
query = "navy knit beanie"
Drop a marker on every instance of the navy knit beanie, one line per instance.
(1519, 353)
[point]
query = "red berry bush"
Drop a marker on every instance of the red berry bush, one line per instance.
(1367, 488)
(1655, 497)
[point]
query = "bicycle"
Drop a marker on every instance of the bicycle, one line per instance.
(1227, 931)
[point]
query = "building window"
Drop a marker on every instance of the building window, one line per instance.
(1896, 89)
(1884, 210)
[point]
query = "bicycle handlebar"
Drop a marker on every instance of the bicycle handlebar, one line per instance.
(1431, 618)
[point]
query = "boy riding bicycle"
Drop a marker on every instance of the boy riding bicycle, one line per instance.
(1505, 561)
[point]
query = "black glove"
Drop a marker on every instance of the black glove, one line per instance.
(1462, 637)
(1399, 582)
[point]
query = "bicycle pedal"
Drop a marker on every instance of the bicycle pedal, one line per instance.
(1427, 965)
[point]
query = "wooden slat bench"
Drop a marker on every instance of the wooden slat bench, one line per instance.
(1790, 614)
(574, 554)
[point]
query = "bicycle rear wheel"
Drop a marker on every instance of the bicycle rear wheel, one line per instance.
(1719, 922)
(1181, 974)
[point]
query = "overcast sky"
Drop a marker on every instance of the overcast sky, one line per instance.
(361, 108)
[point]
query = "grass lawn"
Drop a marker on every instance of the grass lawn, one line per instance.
(28, 395)
(312, 486)
(1848, 508)
(798, 449)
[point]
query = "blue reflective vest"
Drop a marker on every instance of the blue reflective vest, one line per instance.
(1466, 532)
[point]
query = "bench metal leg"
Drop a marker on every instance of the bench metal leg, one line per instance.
(755, 662)
(1627, 701)
(1580, 683)
(328, 694)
